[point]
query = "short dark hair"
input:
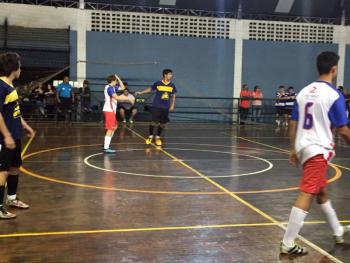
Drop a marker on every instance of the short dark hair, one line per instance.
(326, 61)
(9, 62)
(167, 71)
(290, 87)
(256, 87)
(111, 78)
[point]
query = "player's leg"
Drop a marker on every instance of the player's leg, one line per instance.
(258, 114)
(155, 119)
(5, 161)
(160, 129)
(164, 119)
(12, 179)
(133, 114)
(338, 230)
(295, 223)
(254, 113)
(286, 117)
(122, 114)
(277, 120)
(111, 126)
(311, 183)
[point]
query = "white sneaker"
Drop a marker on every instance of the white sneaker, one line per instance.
(5, 214)
(293, 250)
(340, 239)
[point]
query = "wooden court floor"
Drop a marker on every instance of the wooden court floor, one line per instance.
(213, 193)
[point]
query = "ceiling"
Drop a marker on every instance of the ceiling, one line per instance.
(295, 8)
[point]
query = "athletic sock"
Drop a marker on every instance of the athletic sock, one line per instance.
(159, 131)
(151, 130)
(2, 192)
(12, 185)
(295, 223)
(332, 218)
(107, 142)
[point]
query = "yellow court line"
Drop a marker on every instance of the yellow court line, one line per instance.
(77, 232)
(50, 179)
(323, 252)
(149, 229)
(210, 180)
(25, 148)
(263, 144)
(277, 148)
(236, 197)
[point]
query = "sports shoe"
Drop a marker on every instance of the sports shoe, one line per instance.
(149, 140)
(158, 141)
(124, 121)
(17, 203)
(6, 215)
(294, 250)
(109, 151)
(131, 121)
(340, 239)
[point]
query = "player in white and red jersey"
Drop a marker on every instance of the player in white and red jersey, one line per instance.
(109, 109)
(319, 109)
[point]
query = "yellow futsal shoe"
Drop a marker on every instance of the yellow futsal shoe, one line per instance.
(158, 141)
(149, 140)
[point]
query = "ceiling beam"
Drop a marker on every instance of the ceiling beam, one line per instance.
(284, 6)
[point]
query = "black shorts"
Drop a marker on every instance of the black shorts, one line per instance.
(288, 111)
(127, 110)
(66, 104)
(10, 158)
(280, 111)
(160, 115)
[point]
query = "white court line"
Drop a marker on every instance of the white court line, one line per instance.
(270, 165)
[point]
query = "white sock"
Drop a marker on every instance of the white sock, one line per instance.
(11, 197)
(107, 142)
(295, 223)
(332, 218)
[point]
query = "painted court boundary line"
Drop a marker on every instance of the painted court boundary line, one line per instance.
(239, 199)
(286, 151)
(149, 229)
(236, 197)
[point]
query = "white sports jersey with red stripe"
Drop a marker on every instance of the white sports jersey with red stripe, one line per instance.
(110, 104)
(319, 107)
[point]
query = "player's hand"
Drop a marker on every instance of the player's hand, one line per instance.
(30, 131)
(293, 159)
(137, 93)
(172, 109)
(9, 142)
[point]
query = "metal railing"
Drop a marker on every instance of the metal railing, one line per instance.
(188, 109)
